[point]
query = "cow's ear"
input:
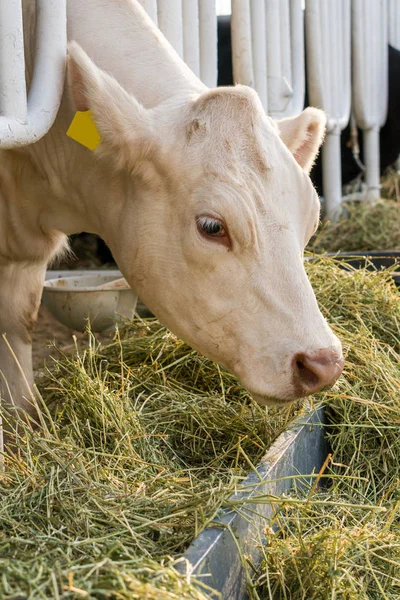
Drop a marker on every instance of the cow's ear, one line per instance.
(124, 125)
(303, 135)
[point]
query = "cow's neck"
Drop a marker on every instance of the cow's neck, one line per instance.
(121, 38)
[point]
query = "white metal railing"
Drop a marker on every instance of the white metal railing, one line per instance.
(268, 52)
(329, 84)
(25, 118)
(190, 26)
(341, 35)
(370, 81)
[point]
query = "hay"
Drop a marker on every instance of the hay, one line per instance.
(321, 549)
(143, 442)
(362, 226)
(390, 184)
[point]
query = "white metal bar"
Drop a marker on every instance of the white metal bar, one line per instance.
(242, 54)
(208, 41)
(298, 76)
(259, 50)
(170, 23)
(332, 174)
(394, 23)
(268, 52)
(274, 55)
(284, 34)
(372, 163)
(329, 84)
(150, 6)
(13, 101)
(370, 80)
(191, 41)
(47, 79)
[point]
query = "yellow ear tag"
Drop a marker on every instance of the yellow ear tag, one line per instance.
(83, 130)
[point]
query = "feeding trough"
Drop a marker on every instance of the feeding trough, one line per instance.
(102, 297)
(218, 556)
(372, 260)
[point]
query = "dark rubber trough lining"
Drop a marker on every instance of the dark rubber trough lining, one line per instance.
(214, 557)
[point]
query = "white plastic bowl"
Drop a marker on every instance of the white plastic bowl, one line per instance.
(74, 299)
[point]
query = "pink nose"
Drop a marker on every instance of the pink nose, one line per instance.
(313, 372)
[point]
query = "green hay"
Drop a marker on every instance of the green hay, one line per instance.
(362, 227)
(321, 549)
(390, 184)
(143, 443)
(145, 440)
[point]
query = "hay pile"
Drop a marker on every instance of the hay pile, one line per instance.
(344, 542)
(362, 226)
(143, 442)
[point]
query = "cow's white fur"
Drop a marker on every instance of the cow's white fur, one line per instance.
(171, 150)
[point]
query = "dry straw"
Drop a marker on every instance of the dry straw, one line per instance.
(364, 226)
(144, 440)
(141, 444)
(321, 548)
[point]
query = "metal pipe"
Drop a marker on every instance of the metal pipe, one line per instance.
(394, 23)
(274, 56)
(332, 174)
(170, 23)
(372, 163)
(298, 77)
(370, 81)
(47, 79)
(191, 42)
(242, 54)
(259, 50)
(13, 101)
(208, 42)
(150, 6)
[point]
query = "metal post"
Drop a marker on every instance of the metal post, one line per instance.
(170, 23)
(370, 80)
(242, 53)
(13, 100)
(332, 174)
(372, 163)
(150, 6)
(208, 41)
(329, 85)
(190, 25)
(259, 50)
(268, 52)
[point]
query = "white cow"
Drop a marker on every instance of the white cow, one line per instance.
(205, 202)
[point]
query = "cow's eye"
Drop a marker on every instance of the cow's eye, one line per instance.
(211, 227)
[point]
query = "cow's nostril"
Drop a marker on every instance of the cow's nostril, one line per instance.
(312, 372)
(306, 375)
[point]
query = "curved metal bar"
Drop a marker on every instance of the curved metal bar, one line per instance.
(47, 80)
(13, 101)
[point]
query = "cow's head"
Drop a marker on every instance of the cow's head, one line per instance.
(218, 209)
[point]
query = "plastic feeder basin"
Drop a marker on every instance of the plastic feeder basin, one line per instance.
(74, 299)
